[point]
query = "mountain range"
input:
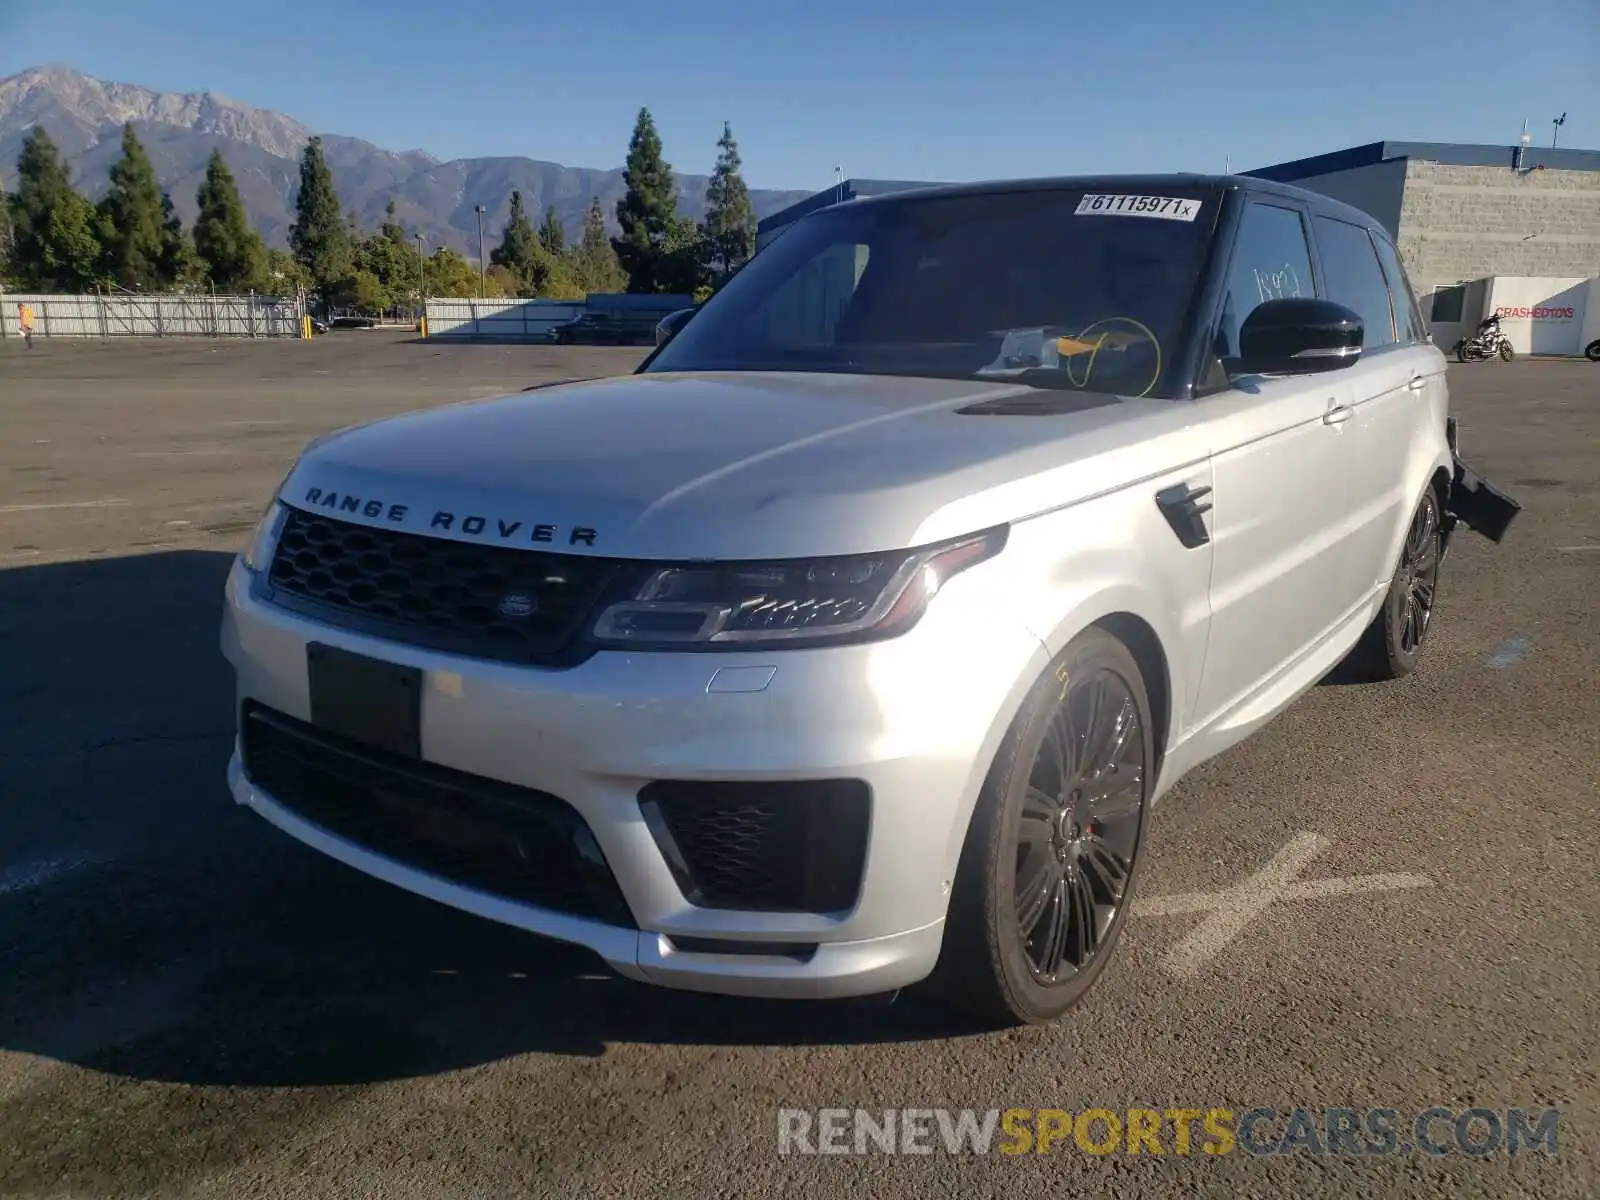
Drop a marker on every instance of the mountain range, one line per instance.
(85, 116)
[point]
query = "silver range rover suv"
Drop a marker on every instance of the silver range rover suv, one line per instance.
(851, 640)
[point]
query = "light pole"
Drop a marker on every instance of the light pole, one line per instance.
(1556, 131)
(483, 289)
(422, 276)
(422, 288)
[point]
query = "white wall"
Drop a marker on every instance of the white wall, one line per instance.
(499, 320)
(153, 315)
(1541, 315)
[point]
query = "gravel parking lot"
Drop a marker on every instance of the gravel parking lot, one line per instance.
(1387, 899)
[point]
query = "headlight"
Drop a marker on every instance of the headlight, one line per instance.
(790, 601)
(264, 538)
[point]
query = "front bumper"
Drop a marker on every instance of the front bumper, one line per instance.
(915, 719)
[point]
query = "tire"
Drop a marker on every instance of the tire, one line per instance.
(1592, 351)
(1506, 352)
(1391, 645)
(994, 961)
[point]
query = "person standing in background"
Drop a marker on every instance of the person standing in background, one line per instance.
(25, 324)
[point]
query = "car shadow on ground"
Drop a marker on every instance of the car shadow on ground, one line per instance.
(151, 929)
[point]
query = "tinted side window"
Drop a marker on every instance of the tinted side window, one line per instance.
(1352, 277)
(1407, 315)
(1270, 262)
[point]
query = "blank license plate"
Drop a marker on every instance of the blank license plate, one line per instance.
(371, 701)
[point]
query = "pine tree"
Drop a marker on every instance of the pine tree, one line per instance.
(55, 236)
(520, 252)
(319, 239)
(552, 236)
(647, 209)
(229, 248)
(133, 219)
(179, 264)
(594, 261)
(730, 224)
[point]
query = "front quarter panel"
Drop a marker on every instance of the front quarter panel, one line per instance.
(1065, 570)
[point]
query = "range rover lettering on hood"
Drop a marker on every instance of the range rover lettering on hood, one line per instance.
(490, 528)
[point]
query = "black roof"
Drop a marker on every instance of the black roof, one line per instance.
(1244, 183)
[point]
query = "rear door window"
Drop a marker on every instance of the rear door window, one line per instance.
(1407, 313)
(1353, 278)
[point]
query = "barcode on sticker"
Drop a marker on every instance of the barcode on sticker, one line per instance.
(1167, 208)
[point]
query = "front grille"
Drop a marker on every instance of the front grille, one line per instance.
(494, 837)
(495, 602)
(789, 846)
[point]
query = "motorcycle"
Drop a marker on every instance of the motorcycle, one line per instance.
(1486, 343)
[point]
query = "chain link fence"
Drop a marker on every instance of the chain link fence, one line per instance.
(135, 315)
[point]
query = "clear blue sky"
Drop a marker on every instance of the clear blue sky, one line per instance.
(938, 91)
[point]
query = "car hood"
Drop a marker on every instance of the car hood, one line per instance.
(722, 465)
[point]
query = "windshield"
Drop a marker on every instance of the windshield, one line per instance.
(1063, 288)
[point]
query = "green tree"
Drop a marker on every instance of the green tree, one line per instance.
(391, 227)
(133, 220)
(593, 262)
(5, 236)
(179, 265)
(55, 242)
(71, 245)
(450, 274)
(521, 252)
(361, 290)
(517, 241)
(730, 224)
(230, 250)
(283, 276)
(319, 239)
(551, 234)
(682, 265)
(647, 210)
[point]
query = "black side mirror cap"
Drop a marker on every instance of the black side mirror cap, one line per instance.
(1299, 336)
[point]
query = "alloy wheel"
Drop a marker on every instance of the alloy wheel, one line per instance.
(1078, 828)
(1418, 576)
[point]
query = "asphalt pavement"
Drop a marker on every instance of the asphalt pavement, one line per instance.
(1386, 899)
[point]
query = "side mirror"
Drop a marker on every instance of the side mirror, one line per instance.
(667, 328)
(1299, 336)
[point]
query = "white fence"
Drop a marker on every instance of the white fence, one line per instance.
(499, 320)
(128, 315)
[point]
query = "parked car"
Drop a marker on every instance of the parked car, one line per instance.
(602, 329)
(850, 642)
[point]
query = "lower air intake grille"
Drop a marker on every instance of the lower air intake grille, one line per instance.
(791, 846)
(487, 835)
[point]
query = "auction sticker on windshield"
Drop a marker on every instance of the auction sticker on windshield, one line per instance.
(1168, 208)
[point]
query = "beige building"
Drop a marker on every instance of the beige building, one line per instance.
(1464, 215)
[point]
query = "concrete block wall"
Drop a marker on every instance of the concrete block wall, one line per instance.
(1460, 223)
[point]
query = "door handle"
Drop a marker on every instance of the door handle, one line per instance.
(1337, 415)
(1417, 384)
